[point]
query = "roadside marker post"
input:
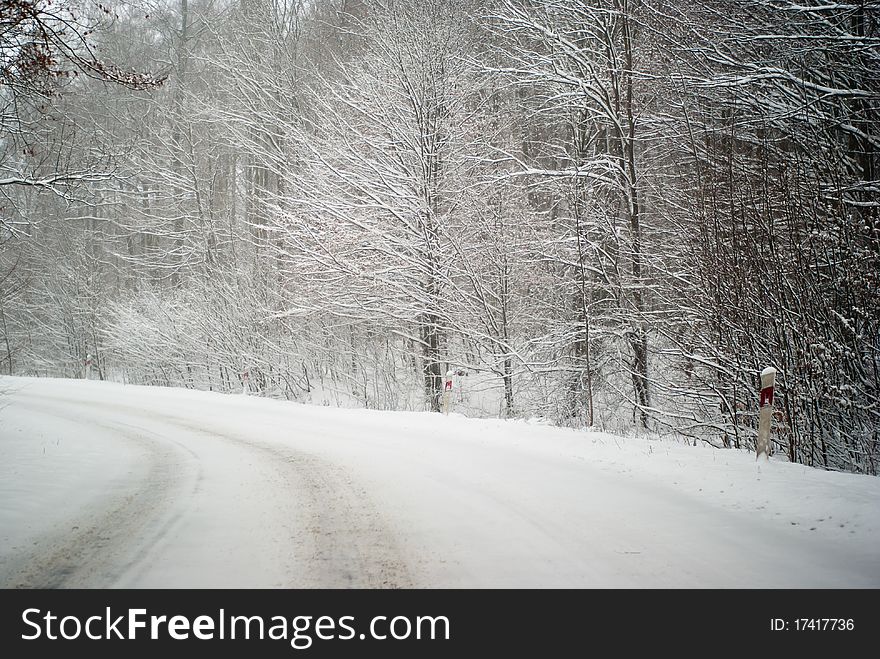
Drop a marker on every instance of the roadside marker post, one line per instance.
(447, 391)
(765, 412)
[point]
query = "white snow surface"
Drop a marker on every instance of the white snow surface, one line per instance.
(104, 485)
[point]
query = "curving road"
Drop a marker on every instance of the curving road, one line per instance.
(199, 508)
(107, 486)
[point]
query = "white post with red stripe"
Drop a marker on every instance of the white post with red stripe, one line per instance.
(765, 412)
(447, 390)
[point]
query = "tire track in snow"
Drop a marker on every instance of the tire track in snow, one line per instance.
(345, 544)
(341, 540)
(104, 542)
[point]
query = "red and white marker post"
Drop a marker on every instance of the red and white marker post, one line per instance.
(447, 391)
(765, 412)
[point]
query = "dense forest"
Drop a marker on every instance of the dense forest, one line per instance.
(607, 213)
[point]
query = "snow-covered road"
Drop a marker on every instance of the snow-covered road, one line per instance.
(104, 485)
